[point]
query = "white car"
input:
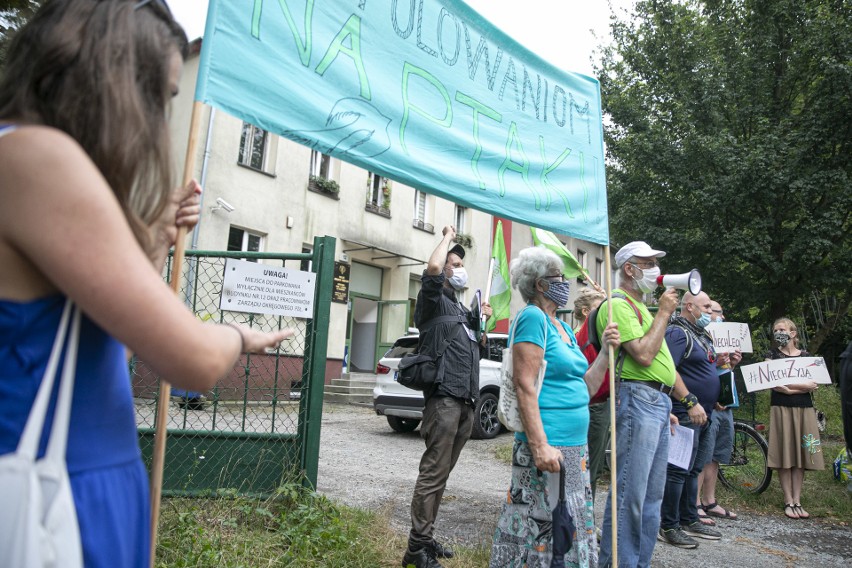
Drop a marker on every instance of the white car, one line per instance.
(403, 407)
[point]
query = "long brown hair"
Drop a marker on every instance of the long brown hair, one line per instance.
(99, 71)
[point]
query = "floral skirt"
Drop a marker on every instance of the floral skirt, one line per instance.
(523, 538)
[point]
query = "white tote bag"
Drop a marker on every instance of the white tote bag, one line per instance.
(38, 521)
(507, 405)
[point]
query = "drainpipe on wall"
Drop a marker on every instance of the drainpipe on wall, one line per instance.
(205, 161)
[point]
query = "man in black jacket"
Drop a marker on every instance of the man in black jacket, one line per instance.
(448, 414)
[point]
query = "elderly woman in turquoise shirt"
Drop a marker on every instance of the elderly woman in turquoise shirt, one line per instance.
(556, 422)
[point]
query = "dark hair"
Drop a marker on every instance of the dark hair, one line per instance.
(99, 71)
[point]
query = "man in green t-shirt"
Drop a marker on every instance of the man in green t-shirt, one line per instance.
(643, 406)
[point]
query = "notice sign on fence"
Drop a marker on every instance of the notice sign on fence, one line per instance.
(262, 289)
(729, 337)
(780, 372)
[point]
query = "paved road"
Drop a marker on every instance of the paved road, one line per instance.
(364, 464)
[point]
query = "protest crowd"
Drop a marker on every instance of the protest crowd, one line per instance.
(670, 383)
(105, 188)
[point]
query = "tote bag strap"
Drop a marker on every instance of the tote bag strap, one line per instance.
(58, 442)
(28, 445)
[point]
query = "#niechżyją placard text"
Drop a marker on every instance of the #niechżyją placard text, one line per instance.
(781, 372)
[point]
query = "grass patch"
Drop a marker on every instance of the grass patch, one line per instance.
(295, 528)
(503, 452)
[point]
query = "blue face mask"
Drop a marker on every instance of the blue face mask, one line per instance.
(558, 293)
(703, 321)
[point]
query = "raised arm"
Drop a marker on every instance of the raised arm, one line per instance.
(439, 256)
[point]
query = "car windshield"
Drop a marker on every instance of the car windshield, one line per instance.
(403, 346)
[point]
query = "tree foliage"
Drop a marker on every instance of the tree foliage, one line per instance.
(729, 146)
(13, 14)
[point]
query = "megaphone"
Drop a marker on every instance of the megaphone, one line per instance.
(687, 281)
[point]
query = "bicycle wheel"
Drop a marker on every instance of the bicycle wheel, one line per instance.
(748, 471)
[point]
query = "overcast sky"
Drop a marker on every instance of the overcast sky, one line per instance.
(560, 31)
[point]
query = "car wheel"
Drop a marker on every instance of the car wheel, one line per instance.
(400, 424)
(486, 425)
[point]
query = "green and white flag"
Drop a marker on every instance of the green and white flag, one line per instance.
(501, 291)
(547, 239)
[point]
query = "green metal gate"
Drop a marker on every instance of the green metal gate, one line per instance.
(260, 426)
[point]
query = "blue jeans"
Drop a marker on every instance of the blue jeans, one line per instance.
(642, 449)
(681, 492)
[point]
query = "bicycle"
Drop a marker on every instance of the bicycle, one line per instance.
(748, 470)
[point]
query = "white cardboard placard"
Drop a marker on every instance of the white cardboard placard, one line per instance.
(730, 336)
(780, 372)
(262, 289)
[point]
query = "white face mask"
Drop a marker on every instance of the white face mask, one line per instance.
(648, 283)
(459, 278)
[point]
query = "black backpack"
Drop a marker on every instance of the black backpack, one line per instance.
(419, 372)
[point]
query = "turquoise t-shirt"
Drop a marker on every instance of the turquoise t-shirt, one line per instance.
(564, 399)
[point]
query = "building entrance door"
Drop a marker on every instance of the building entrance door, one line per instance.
(393, 323)
(363, 328)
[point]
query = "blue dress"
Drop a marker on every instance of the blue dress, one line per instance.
(108, 478)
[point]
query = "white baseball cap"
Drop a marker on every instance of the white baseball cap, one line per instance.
(636, 248)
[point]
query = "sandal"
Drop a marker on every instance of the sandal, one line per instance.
(801, 512)
(790, 511)
(724, 515)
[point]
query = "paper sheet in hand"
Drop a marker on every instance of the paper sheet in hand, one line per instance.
(680, 447)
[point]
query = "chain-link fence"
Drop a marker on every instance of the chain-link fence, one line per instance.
(259, 427)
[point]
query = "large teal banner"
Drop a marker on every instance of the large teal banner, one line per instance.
(425, 92)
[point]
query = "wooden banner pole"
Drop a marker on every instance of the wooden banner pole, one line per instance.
(613, 469)
(159, 456)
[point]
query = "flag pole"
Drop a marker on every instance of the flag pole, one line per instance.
(160, 433)
(613, 469)
(487, 296)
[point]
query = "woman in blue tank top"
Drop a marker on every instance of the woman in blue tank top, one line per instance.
(88, 212)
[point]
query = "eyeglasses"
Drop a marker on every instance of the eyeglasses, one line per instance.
(646, 264)
(561, 277)
(716, 311)
(161, 3)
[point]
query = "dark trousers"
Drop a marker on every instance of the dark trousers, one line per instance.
(446, 427)
(598, 433)
(845, 384)
(681, 491)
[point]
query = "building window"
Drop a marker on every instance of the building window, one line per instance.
(582, 259)
(320, 165)
(461, 216)
(306, 264)
(378, 194)
(253, 147)
(413, 291)
(242, 240)
(421, 210)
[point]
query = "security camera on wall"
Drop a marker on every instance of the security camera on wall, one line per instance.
(222, 204)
